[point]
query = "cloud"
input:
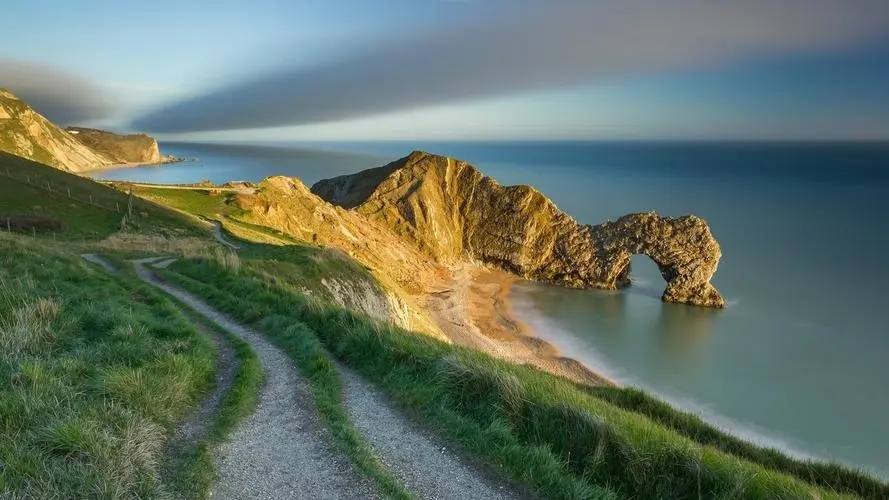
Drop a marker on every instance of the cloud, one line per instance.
(64, 98)
(530, 45)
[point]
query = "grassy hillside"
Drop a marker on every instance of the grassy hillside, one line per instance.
(565, 440)
(85, 209)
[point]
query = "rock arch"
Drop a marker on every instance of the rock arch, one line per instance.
(683, 248)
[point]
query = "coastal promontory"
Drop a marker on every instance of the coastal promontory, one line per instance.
(451, 212)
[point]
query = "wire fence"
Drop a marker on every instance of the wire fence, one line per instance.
(34, 224)
(74, 194)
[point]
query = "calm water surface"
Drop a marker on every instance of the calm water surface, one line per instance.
(800, 359)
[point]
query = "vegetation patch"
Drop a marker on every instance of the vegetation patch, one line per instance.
(98, 372)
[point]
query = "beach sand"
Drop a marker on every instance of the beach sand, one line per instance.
(472, 308)
(116, 166)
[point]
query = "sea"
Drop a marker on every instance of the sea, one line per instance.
(799, 360)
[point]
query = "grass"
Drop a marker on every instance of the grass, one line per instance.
(100, 370)
(24, 191)
(563, 440)
(196, 201)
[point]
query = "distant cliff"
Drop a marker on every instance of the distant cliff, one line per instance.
(135, 148)
(451, 212)
(26, 133)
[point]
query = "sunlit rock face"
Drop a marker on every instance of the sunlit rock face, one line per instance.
(451, 212)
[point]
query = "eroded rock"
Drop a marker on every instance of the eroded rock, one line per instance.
(451, 213)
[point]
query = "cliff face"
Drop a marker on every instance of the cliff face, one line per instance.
(26, 133)
(135, 148)
(450, 212)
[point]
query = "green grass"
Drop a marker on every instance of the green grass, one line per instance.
(26, 193)
(563, 440)
(98, 370)
(197, 202)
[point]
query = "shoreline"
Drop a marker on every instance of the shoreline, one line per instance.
(473, 309)
(133, 164)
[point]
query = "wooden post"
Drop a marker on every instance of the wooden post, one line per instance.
(48, 186)
(34, 232)
(117, 206)
(8, 225)
(69, 192)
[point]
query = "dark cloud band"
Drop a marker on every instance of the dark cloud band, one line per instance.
(530, 46)
(64, 98)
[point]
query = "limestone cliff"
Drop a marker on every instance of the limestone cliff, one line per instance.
(450, 212)
(26, 133)
(134, 148)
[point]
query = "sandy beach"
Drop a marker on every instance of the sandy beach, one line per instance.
(117, 166)
(472, 308)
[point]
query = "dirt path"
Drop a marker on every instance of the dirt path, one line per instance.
(282, 450)
(95, 259)
(217, 233)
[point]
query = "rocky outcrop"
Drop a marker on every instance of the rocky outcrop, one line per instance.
(26, 133)
(134, 148)
(450, 213)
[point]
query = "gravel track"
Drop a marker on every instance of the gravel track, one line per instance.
(282, 450)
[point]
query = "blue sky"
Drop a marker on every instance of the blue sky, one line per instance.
(456, 69)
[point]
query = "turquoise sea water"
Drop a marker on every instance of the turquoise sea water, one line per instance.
(799, 359)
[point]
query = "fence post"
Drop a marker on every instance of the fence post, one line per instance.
(8, 225)
(117, 205)
(69, 192)
(34, 232)
(48, 187)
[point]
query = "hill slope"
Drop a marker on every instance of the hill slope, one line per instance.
(451, 212)
(26, 133)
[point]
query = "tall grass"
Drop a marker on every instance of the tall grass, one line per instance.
(573, 442)
(99, 371)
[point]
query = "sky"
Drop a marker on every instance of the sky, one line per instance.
(455, 69)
